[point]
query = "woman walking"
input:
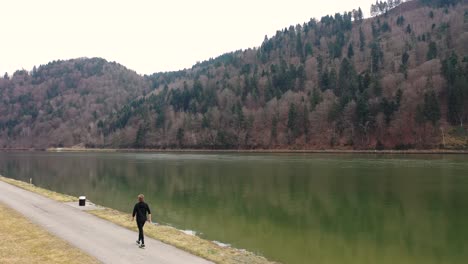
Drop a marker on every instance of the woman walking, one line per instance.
(140, 210)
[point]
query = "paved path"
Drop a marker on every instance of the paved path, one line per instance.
(104, 240)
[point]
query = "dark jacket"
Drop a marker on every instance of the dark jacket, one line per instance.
(140, 210)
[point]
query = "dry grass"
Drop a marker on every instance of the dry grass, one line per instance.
(457, 139)
(81, 149)
(193, 244)
(49, 194)
(23, 242)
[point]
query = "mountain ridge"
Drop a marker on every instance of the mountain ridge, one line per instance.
(394, 81)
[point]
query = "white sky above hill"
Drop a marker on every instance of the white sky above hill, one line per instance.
(146, 35)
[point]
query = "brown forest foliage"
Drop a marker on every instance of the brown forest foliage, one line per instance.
(396, 80)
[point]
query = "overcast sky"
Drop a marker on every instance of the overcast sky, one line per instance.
(146, 35)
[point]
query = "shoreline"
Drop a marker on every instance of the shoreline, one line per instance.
(190, 243)
(259, 151)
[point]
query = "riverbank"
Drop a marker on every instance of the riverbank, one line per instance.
(259, 151)
(263, 151)
(25, 242)
(169, 235)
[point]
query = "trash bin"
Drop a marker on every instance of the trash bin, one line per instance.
(82, 201)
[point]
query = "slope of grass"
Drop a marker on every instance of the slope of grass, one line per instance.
(47, 193)
(189, 243)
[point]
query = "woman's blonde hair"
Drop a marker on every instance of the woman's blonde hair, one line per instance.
(141, 197)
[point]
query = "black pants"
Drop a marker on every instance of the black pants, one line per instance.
(140, 225)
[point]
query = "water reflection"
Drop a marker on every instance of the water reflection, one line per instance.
(290, 208)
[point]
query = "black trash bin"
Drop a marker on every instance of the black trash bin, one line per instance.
(82, 201)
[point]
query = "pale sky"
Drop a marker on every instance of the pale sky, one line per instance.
(143, 35)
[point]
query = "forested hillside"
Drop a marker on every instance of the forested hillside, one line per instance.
(61, 103)
(397, 80)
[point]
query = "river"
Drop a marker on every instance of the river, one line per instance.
(291, 208)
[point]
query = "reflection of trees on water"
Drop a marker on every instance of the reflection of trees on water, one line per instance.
(301, 211)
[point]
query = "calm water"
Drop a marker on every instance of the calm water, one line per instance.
(291, 208)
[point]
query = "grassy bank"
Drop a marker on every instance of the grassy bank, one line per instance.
(44, 192)
(192, 244)
(23, 242)
(166, 234)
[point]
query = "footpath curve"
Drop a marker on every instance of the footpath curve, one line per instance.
(101, 239)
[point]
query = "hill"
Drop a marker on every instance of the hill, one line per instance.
(397, 80)
(59, 104)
